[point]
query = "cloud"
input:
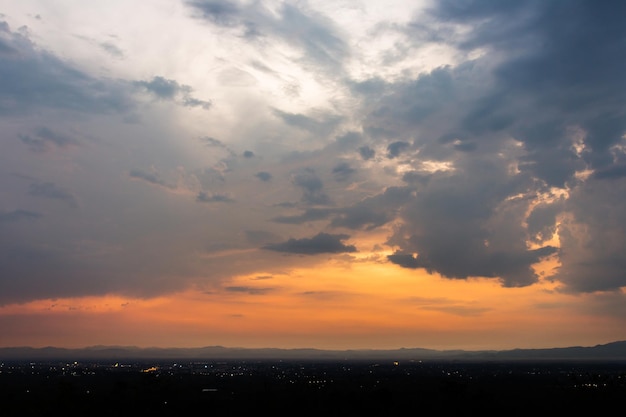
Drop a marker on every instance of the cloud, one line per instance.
(394, 149)
(312, 214)
(313, 34)
(318, 244)
(166, 89)
(248, 289)
(501, 134)
(615, 171)
(375, 211)
(312, 187)
(34, 78)
(111, 49)
(515, 133)
(322, 128)
(366, 152)
(219, 12)
(204, 197)
(343, 171)
(258, 237)
(45, 138)
(52, 191)
(366, 214)
(152, 178)
(263, 176)
(18, 215)
(512, 268)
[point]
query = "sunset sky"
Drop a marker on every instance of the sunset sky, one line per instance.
(325, 174)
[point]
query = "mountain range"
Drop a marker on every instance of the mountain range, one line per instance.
(615, 351)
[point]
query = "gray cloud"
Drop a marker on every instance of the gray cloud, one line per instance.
(615, 171)
(259, 237)
(318, 244)
(367, 214)
(321, 127)
(592, 236)
(213, 142)
(18, 215)
(306, 30)
(33, 78)
(112, 49)
(165, 89)
(312, 187)
(373, 212)
(149, 177)
(45, 138)
(394, 149)
(343, 171)
(248, 289)
(204, 197)
(52, 191)
(263, 176)
(520, 141)
(366, 152)
(530, 113)
(312, 214)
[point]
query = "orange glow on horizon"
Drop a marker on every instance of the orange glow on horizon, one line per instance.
(369, 303)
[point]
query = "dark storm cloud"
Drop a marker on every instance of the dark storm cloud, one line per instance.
(263, 176)
(318, 244)
(559, 66)
(306, 30)
(32, 78)
(544, 101)
(248, 154)
(204, 197)
(312, 187)
(52, 191)
(464, 224)
(18, 215)
(165, 89)
(44, 138)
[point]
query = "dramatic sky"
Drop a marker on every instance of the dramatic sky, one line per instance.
(329, 174)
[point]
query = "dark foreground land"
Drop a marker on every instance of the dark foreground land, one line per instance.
(310, 388)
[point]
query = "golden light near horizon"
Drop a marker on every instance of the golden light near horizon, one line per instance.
(370, 302)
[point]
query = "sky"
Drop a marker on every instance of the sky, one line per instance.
(342, 174)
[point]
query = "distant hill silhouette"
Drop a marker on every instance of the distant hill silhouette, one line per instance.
(615, 351)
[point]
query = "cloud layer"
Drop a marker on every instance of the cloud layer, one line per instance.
(289, 130)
